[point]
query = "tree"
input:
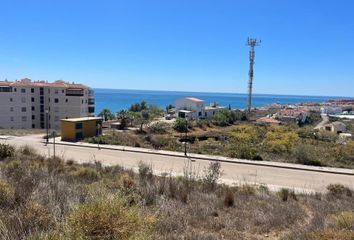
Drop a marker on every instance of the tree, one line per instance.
(181, 125)
(138, 107)
(106, 114)
(124, 117)
(142, 118)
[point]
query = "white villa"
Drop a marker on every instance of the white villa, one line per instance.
(193, 108)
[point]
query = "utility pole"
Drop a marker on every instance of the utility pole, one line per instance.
(185, 139)
(47, 124)
(252, 43)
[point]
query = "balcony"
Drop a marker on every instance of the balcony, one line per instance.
(75, 92)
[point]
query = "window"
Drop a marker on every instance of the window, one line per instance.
(41, 100)
(24, 118)
(200, 114)
(48, 99)
(56, 91)
(48, 90)
(42, 108)
(11, 100)
(41, 91)
(33, 108)
(33, 117)
(56, 109)
(42, 117)
(15, 89)
(56, 100)
(33, 126)
(11, 119)
(66, 100)
(11, 109)
(32, 99)
(23, 109)
(23, 100)
(32, 90)
(62, 91)
(78, 126)
(56, 119)
(23, 90)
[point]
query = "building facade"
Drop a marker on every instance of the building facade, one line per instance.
(28, 104)
(75, 129)
(193, 108)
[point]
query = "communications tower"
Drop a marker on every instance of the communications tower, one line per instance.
(252, 43)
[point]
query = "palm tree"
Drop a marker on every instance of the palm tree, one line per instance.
(106, 114)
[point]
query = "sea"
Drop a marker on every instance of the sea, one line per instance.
(116, 99)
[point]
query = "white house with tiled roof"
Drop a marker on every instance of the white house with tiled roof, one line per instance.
(28, 104)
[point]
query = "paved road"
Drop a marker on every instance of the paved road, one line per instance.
(325, 120)
(237, 173)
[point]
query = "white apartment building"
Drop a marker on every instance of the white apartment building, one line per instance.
(193, 108)
(28, 104)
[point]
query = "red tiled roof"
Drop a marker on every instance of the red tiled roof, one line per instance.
(28, 82)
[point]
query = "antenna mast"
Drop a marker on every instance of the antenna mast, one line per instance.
(252, 43)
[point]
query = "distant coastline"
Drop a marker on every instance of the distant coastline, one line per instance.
(118, 99)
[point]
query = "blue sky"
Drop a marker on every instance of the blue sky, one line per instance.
(187, 45)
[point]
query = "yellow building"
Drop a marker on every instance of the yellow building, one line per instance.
(75, 129)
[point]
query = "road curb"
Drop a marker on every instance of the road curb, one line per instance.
(338, 171)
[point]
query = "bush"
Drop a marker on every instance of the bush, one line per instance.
(285, 194)
(158, 128)
(331, 235)
(7, 194)
(212, 174)
(109, 219)
(339, 190)
(229, 199)
(182, 125)
(280, 140)
(6, 151)
(224, 118)
(344, 221)
(86, 174)
(36, 217)
(306, 155)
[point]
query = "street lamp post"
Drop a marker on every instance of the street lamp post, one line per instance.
(54, 135)
(47, 124)
(185, 138)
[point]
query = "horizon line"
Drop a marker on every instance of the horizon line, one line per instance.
(180, 91)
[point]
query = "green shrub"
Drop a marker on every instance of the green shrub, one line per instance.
(109, 219)
(6, 151)
(158, 128)
(86, 174)
(307, 155)
(182, 125)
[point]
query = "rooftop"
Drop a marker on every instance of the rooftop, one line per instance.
(82, 119)
(26, 82)
(194, 99)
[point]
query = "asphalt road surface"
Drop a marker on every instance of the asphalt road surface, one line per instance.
(232, 173)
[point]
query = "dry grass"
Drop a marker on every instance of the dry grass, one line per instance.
(52, 199)
(21, 132)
